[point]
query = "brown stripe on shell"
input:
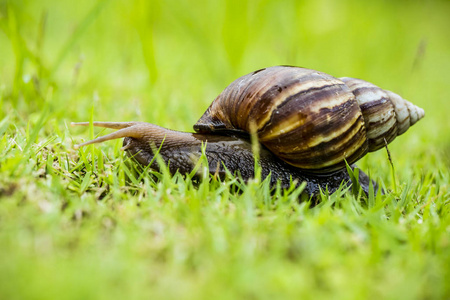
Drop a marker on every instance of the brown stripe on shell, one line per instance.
(329, 155)
(381, 141)
(312, 111)
(230, 110)
(298, 85)
(382, 130)
(378, 111)
(401, 112)
(246, 98)
(342, 134)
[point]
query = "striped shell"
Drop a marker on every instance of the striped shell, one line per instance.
(310, 119)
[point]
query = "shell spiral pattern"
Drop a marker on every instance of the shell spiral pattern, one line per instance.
(310, 119)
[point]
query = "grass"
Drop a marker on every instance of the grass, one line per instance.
(91, 224)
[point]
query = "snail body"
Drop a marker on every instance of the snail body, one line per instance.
(309, 124)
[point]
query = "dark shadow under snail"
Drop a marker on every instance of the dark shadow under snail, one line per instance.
(308, 123)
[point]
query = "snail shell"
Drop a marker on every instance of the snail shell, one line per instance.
(310, 119)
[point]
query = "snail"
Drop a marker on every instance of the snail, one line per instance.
(309, 125)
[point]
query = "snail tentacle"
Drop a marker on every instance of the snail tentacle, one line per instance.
(122, 133)
(153, 134)
(126, 129)
(112, 125)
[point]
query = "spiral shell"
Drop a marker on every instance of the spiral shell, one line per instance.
(310, 119)
(386, 114)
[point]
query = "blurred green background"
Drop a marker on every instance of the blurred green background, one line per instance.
(164, 62)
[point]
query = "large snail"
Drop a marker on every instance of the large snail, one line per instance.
(309, 125)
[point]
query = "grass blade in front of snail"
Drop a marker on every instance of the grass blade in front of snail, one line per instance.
(235, 154)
